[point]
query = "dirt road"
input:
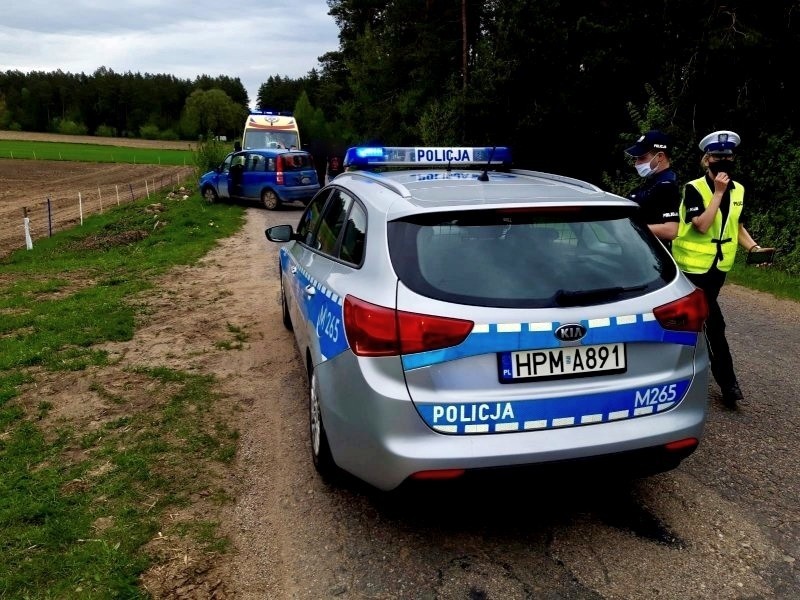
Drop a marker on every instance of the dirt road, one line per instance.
(724, 525)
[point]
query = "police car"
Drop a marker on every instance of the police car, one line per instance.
(455, 314)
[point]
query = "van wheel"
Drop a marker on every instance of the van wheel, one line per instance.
(210, 195)
(270, 199)
(320, 449)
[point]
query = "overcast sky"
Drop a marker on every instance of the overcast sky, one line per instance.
(250, 40)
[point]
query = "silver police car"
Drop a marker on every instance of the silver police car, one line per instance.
(455, 314)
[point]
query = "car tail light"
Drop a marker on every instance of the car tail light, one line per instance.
(686, 314)
(374, 330)
(279, 170)
(682, 445)
(439, 474)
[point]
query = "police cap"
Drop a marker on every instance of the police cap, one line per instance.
(720, 142)
(652, 141)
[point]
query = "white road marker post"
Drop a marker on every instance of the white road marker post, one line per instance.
(80, 207)
(99, 195)
(26, 223)
(116, 187)
(146, 189)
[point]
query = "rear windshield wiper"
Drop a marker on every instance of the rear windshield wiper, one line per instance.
(597, 296)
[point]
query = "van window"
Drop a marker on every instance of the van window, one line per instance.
(299, 161)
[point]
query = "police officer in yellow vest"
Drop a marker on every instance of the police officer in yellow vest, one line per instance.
(709, 234)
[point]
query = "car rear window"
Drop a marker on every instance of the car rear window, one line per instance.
(532, 257)
(297, 161)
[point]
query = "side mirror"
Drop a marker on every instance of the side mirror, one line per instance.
(280, 233)
(237, 146)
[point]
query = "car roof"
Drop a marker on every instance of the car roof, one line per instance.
(402, 193)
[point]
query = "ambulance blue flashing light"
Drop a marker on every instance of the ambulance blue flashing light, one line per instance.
(277, 113)
(365, 157)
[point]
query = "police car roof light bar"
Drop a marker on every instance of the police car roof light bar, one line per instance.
(366, 157)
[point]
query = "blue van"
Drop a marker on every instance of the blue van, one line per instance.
(269, 176)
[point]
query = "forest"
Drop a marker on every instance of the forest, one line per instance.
(566, 85)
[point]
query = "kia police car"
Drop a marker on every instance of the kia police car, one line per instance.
(454, 313)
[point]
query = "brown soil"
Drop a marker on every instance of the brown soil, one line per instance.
(90, 139)
(48, 193)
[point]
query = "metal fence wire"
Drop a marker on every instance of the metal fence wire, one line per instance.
(63, 210)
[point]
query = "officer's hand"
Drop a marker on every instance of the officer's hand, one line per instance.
(721, 182)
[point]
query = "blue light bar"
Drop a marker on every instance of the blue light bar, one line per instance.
(365, 157)
(269, 111)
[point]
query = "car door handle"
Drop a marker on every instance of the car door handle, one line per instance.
(311, 290)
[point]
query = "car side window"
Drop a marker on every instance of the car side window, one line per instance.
(226, 164)
(310, 219)
(352, 249)
(254, 163)
(333, 221)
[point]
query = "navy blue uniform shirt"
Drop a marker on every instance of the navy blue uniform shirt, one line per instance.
(659, 197)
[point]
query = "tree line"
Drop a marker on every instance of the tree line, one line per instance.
(566, 85)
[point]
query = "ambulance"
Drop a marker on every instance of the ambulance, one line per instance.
(270, 129)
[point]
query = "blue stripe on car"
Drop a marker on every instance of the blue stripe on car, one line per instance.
(325, 310)
(529, 336)
(551, 413)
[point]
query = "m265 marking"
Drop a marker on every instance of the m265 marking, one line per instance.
(656, 395)
(329, 324)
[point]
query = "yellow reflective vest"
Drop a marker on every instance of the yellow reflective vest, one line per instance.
(694, 251)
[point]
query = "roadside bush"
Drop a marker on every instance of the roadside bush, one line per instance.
(168, 134)
(149, 132)
(210, 152)
(69, 127)
(105, 131)
(772, 184)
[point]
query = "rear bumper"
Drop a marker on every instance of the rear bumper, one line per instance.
(376, 433)
(297, 194)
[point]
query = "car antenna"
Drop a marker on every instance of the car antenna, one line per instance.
(485, 175)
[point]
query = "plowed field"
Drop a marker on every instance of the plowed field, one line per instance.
(55, 194)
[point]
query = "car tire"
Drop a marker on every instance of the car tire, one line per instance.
(320, 449)
(287, 318)
(270, 200)
(210, 195)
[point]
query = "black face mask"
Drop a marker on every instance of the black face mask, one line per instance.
(721, 166)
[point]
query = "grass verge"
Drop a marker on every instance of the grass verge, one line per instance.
(766, 279)
(81, 501)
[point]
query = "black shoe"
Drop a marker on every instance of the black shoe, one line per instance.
(731, 396)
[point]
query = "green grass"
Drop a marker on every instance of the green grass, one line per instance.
(93, 153)
(78, 505)
(766, 279)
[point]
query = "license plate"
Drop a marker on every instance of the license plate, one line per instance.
(554, 363)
